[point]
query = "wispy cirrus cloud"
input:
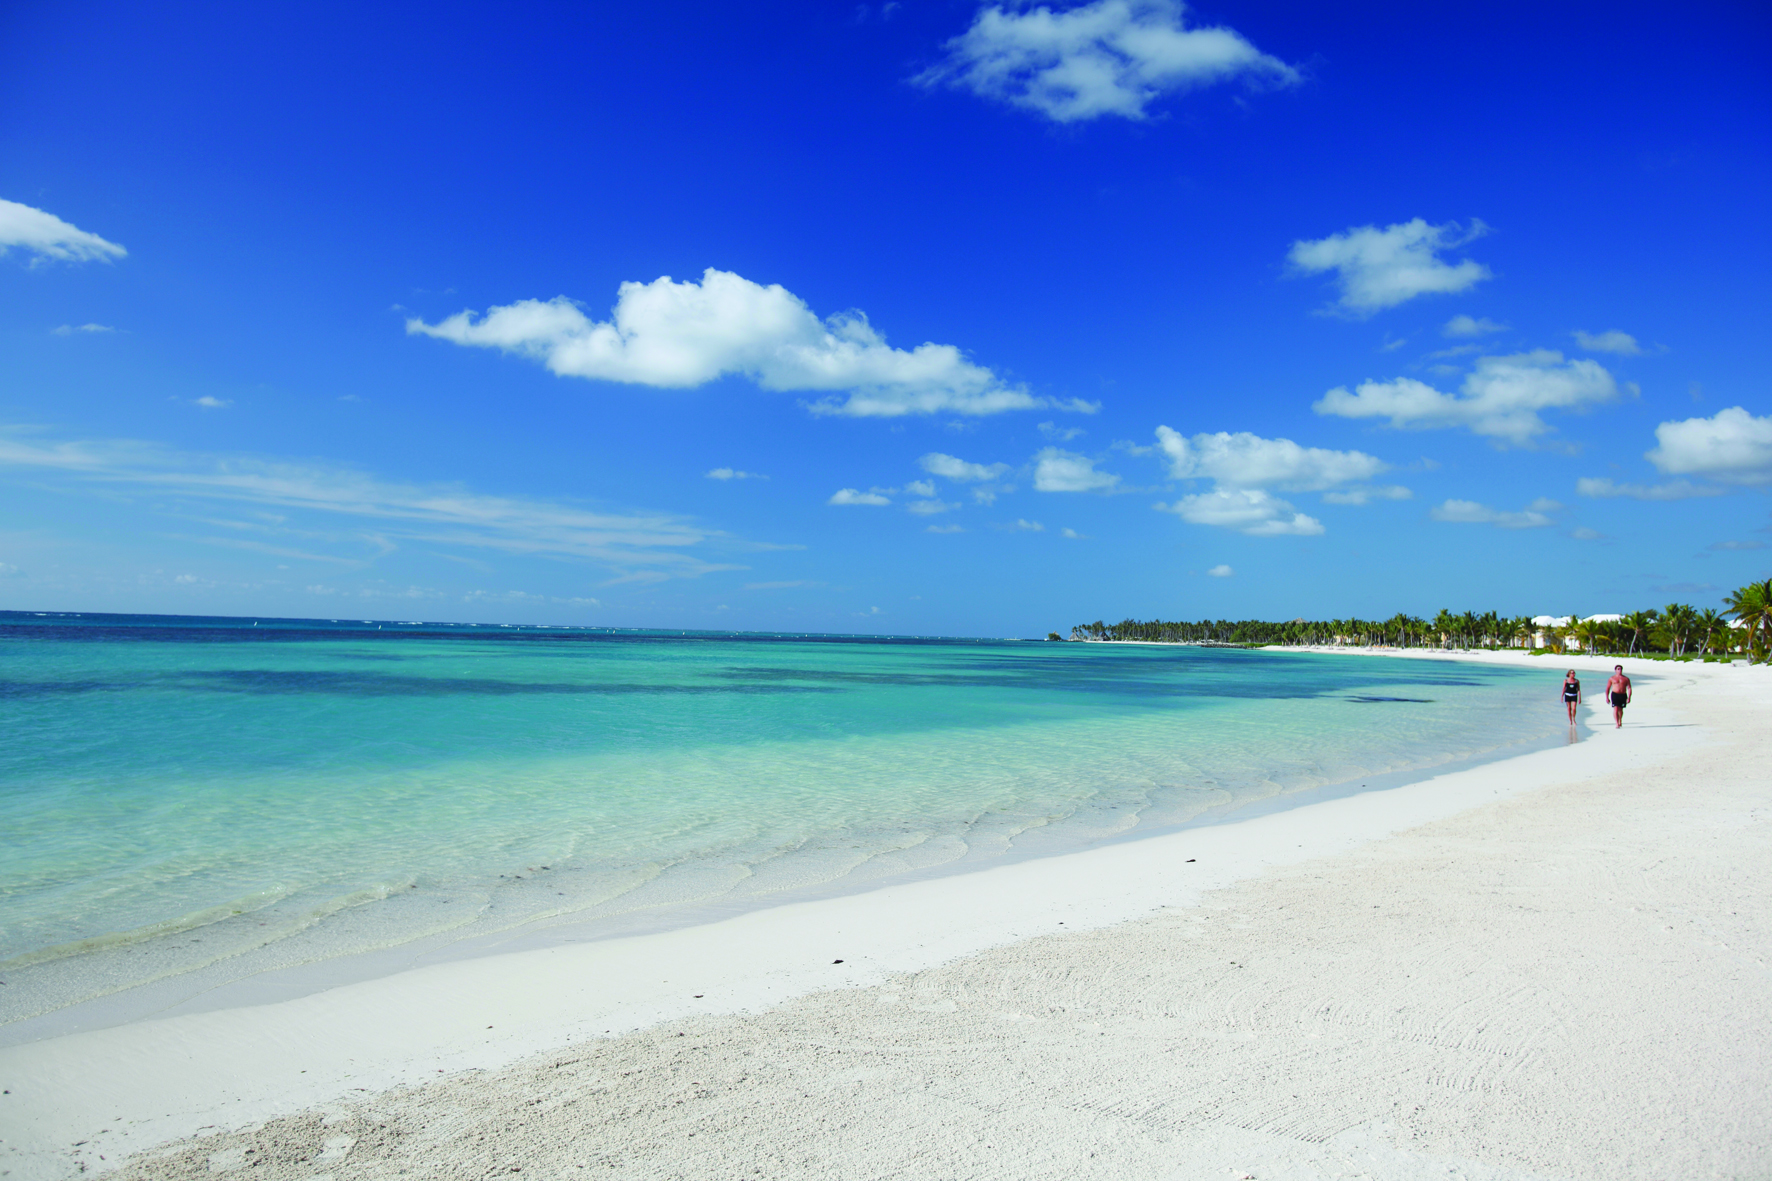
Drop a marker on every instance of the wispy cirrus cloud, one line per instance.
(1109, 57)
(678, 335)
(1381, 268)
(631, 544)
(47, 238)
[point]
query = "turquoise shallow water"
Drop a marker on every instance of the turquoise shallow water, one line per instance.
(182, 795)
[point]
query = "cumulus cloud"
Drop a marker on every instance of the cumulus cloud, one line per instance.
(1603, 488)
(1467, 326)
(1060, 434)
(921, 487)
(1244, 460)
(1379, 269)
(45, 236)
(727, 473)
(950, 468)
(677, 335)
(212, 403)
(379, 513)
(1469, 512)
(929, 508)
(1066, 471)
(856, 496)
(1500, 398)
(1109, 57)
(1020, 525)
(1250, 510)
(1220, 572)
(1731, 446)
(1072, 534)
(1622, 343)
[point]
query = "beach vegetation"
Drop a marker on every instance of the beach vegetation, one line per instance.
(1677, 631)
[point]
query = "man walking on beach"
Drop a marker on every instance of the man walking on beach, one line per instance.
(1618, 694)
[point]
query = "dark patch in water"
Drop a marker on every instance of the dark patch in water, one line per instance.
(368, 684)
(1416, 700)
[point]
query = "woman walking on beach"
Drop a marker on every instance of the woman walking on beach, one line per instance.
(1571, 693)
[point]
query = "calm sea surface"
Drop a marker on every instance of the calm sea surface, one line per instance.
(183, 795)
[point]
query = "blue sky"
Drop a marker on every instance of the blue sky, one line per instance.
(915, 318)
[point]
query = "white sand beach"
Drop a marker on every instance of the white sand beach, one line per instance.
(1555, 966)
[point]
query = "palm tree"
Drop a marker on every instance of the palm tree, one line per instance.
(1676, 623)
(1708, 622)
(1638, 624)
(1752, 605)
(1445, 623)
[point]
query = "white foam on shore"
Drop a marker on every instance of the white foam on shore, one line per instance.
(154, 1080)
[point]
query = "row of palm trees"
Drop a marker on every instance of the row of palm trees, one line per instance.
(1743, 626)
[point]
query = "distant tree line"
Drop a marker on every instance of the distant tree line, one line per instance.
(1744, 627)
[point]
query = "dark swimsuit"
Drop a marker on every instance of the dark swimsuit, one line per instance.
(1619, 700)
(1571, 690)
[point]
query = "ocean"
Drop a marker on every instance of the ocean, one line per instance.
(189, 801)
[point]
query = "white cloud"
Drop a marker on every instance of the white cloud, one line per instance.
(920, 488)
(1368, 494)
(1603, 488)
(678, 335)
(1622, 343)
(1250, 510)
(1736, 545)
(1585, 534)
(727, 473)
(1379, 269)
(1500, 397)
(1462, 325)
(1073, 535)
(928, 508)
(385, 511)
(1066, 471)
(1109, 57)
(70, 329)
(1469, 512)
(1243, 460)
(1732, 446)
(46, 236)
(945, 529)
(211, 403)
(798, 582)
(1221, 572)
(950, 468)
(1060, 434)
(985, 496)
(856, 496)
(1019, 525)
